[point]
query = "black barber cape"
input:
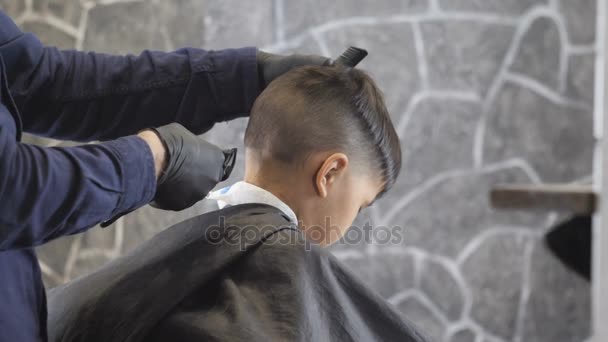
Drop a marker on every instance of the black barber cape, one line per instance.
(243, 273)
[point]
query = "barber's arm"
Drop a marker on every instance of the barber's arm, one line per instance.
(48, 192)
(90, 96)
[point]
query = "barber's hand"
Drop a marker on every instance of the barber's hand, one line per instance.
(271, 66)
(192, 168)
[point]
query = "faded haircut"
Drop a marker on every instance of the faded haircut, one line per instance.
(326, 108)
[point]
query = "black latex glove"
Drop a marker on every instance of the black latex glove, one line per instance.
(194, 166)
(271, 66)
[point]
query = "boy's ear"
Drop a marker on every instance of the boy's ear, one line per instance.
(329, 172)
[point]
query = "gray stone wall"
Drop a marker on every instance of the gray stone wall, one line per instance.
(481, 92)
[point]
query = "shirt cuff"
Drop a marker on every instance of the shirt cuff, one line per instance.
(138, 176)
(251, 78)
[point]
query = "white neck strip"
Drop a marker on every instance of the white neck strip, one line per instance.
(243, 192)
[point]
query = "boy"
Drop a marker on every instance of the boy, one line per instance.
(320, 146)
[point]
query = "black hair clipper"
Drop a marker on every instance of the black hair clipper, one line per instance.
(351, 57)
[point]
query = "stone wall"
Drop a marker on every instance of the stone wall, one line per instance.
(481, 91)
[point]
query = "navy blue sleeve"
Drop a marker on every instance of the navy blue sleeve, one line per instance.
(50, 192)
(90, 96)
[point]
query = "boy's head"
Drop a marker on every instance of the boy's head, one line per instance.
(321, 139)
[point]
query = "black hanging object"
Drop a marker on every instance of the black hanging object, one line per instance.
(570, 242)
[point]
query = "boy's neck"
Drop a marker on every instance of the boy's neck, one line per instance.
(273, 189)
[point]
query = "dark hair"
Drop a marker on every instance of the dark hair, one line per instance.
(324, 108)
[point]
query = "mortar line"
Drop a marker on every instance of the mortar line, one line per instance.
(525, 292)
(50, 272)
(433, 181)
(418, 97)
(543, 91)
(523, 26)
(279, 21)
(423, 72)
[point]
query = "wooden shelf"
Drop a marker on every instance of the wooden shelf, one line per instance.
(577, 199)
